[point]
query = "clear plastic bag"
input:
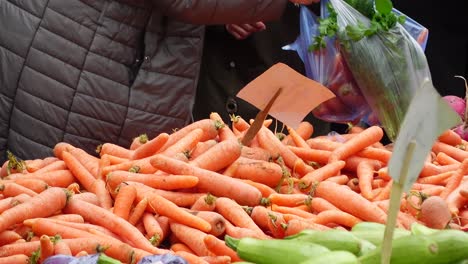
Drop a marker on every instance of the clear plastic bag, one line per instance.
(385, 68)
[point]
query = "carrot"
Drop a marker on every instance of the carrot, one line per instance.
(292, 210)
(162, 206)
(340, 179)
(124, 200)
(297, 139)
(259, 171)
(36, 185)
(450, 137)
(191, 237)
(323, 144)
(115, 150)
(271, 143)
(56, 165)
(256, 153)
(74, 188)
(219, 248)
(92, 245)
(239, 124)
(138, 211)
(154, 231)
(10, 189)
(47, 248)
(338, 217)
(455, 179)
(315, 155)
(384, 194)
(240, 232)
(61, 147)
(452, 151)
(191, 258)
(138, 141)
(40, 205)
(217, 259)
(150, 147)
(264, 189)
(15, 259)
(444, 159)
(61, 248)
(225, 133)
(183, 199)
(209, 128)
(305, 130)
(88, 197)
(179, 246)
(26, 248)
(88, 161)
(266, 219)
(290, 200)
(215, 183)
(8, 236)
(206, 202)
(323, 173)
(350, 202)
(455, 200)
(156, 181)
(75, 218)
(234, 213)
(295, 226)
(230, 150)
(365, 172)
(103, 195)
(85, 178)
(430, 169)
(436, 179)
(357, 143)
(216, 221)
(100, 216)
(379, 154)
(34, 165)
(201, 147)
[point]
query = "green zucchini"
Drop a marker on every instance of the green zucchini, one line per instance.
(452, 246)
(274, 251)
(335, 257)
(333, 239)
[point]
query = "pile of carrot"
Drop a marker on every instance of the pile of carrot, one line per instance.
(182, 192)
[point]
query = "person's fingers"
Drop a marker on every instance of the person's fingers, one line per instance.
(259, 26)
(237, 31)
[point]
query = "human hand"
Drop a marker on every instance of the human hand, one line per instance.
(242, 31)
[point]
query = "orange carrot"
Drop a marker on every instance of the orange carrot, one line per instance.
(215, 183)
(206, 202)
(68, 218)
(295, 226)
(315, 155)
(455, 179)
(264, 189)
(240, 232)
(290, 200)
(100, 216)
(379, 154)
(156, 181)
(219, 248)
(37, 206)
(56, 165)
(36, 185)
(88, 161)
(444, 159)
(10, 189)
(450, 137)
(322, 173)
(266, 219)
(124, 200)
(338, 217)
(216, 221)
(191, 237)
(230, 150)
(191, 258)
(297, 139)
(350, 202)
(61, 248)
(138, 211)
(153, 229)
(47, 248)
(430, 169)
(357, 143)
(85, 178)
(323, 144)
(340, 179)
(162, 206)
(150, 147)
(103, 195)
(292, 210)
(225, 133)
(8, 236)
(179, 246)
(234, 213)
(115, 150)
(452, 151)
(264, 172)
(15, 259)
(255, 153)
(183, 199)
(201, 147)
(88, 197)
(384, 194)
(138, 141)
(455, 200)
(365, 173)
(353, 162)
(436, 179)
(305, 130)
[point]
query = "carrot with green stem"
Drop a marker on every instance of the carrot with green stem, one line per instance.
(212, 182)
(153, 229)
(58, 178)
(139, 141)
(450, 150)
(202, 147)
(37, 206)
(268, 173)
(150, 147)
(11, 189)
(115, 150)
(225, 132)
(170, 182)
(230, 150)
(350, 202)
(206, 202)
(357, 143)
(219, 248)
(322, 173)
(138, 211)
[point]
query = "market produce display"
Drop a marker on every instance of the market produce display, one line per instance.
(197, 193)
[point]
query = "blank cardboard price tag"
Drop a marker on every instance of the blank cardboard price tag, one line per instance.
(299, 97)
(427, 117)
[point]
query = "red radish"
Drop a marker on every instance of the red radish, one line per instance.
(435, 213)
(458, 104)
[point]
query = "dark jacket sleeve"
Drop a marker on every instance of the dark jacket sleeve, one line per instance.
(211, 12)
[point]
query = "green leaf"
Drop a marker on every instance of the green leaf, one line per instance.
(383, 6)
(356, 32)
